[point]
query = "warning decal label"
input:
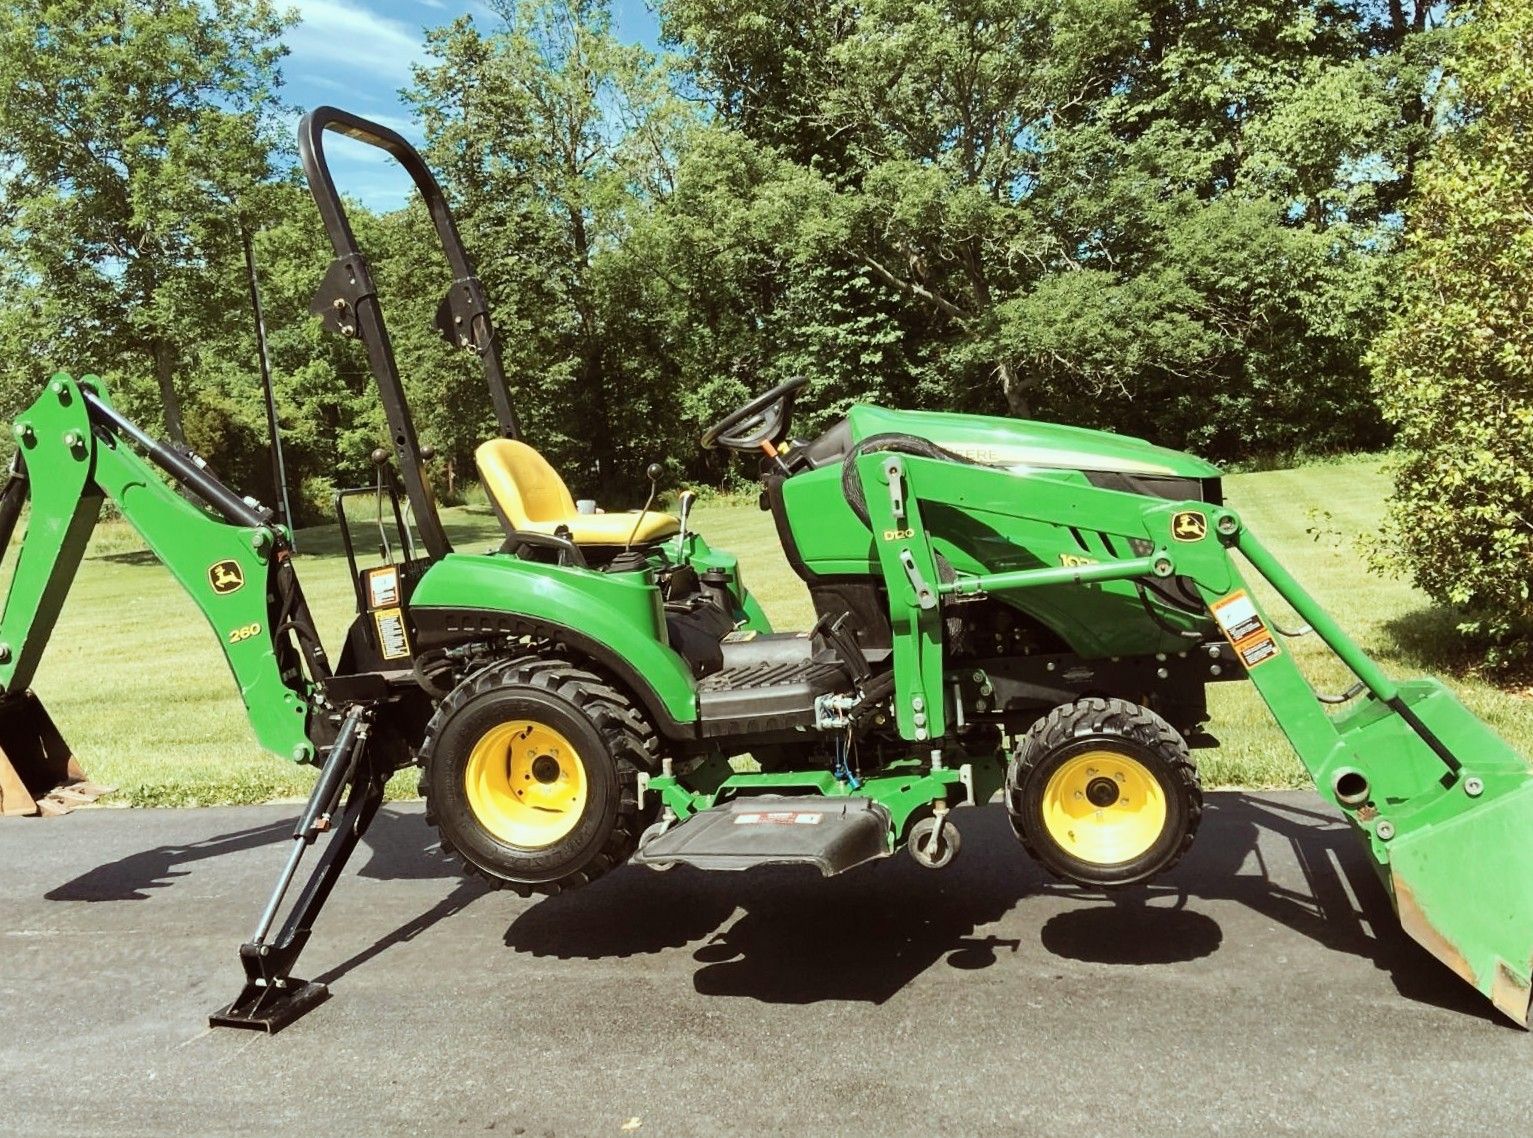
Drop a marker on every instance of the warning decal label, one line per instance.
(393, 641)
(383, 587)
(1244, 628)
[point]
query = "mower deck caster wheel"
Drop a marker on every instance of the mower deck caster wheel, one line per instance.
(931, 849)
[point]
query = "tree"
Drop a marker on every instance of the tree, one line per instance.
(1029, 178)
(1454, 370)
(132, 136)
(552, 135)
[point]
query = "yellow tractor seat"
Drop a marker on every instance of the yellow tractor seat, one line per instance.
(529, 495)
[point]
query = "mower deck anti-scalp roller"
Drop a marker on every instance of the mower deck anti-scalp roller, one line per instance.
(1004, 608)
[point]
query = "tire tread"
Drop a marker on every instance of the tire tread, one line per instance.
(630, 738)
(1103, 716)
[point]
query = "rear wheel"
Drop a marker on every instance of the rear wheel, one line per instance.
(1101, 792)
(530, 774)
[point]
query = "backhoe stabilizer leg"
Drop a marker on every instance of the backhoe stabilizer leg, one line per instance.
(272, 997)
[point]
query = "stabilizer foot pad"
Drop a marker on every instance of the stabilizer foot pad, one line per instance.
(831, 834)
(266, 1007)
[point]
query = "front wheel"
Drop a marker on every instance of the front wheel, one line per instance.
(530, 774)
(1102, 792)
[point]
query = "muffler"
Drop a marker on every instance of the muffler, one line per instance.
(38, 772)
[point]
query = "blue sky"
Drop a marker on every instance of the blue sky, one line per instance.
(357, 54)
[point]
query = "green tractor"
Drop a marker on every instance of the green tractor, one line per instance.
(1004, 608)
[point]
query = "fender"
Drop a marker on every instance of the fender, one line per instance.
(616, 619)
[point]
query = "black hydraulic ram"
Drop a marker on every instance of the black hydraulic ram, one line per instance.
(272, 997)
(180, 466)
(12, 497)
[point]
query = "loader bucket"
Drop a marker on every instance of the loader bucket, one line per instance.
(1455, 849)
(38, 773)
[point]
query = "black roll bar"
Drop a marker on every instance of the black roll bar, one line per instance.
(348, 302)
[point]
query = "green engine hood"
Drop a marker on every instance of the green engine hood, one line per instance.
(1023, 442)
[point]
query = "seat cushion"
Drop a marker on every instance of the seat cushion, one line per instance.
(529, 495)
(613, 529)
(524, 488)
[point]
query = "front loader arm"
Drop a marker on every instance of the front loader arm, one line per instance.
(76, 457)
(1443, 805)
(898, 486)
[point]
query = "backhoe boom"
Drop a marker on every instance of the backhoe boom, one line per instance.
(76, 452)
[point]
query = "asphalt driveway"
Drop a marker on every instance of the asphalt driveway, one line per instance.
(1262, 988)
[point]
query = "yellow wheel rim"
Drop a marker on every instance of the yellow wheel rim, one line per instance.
(526, 784)
(1104, 808)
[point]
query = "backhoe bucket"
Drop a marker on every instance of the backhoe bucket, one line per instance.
(38, 773)
(1455, 849)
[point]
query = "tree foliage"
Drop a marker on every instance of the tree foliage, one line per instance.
(1174, 219)
(1455, 369)
(1141, 215)
(135, 138)
(554, 135)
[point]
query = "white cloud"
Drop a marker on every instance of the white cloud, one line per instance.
(345, 33)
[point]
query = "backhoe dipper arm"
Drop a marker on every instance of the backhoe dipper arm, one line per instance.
(74, 448)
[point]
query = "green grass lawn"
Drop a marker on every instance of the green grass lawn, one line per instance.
(136, 682)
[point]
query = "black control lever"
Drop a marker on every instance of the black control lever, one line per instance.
(653, 472)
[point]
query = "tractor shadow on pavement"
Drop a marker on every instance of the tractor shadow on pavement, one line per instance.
(397, 847)
(132, 878)
(787, 936)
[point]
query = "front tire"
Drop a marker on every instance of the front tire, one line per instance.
(530, 771)
(1102, 792)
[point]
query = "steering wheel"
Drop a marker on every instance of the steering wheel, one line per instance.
(759, 424)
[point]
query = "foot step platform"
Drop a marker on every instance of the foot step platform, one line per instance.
(831, 834)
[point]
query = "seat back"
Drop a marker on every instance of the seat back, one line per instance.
(523, 487)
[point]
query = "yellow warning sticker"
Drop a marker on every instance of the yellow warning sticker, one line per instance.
(1244, 628)
(393, 640)
(383, 587)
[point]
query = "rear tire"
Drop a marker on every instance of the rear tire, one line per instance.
(530, 774)
(1101, 792)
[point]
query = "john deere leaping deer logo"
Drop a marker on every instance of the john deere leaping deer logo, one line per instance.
(226, 577)
(1189, 525)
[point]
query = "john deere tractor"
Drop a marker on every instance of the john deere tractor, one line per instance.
(1004, 608)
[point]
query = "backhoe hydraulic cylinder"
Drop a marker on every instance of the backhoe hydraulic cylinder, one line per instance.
(332, 780)
(234, 508)
(12, 497)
